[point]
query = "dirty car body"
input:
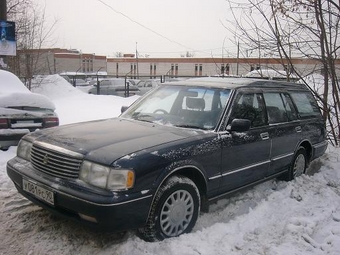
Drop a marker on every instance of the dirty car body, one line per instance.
(172, 152)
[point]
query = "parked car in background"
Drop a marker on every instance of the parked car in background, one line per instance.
(171, 153)
(21, 111)
(79, 82)
(83, 85)
(116, 87)
(146, 85)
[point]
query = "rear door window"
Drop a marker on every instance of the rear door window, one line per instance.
(290, 109)
(276, 110)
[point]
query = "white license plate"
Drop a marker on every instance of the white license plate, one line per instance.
(38, 191)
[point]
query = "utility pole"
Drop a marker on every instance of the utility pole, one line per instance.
(238, 57)
(3, 10)
(3, 16)
(137, 61)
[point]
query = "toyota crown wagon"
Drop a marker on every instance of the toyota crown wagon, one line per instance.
(171, 153)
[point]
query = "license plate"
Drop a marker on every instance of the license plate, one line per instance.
(38, 191)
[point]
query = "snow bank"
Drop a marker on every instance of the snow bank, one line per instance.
(74, 105)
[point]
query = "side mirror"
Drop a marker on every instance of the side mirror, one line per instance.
(123, 109)
(239, 125)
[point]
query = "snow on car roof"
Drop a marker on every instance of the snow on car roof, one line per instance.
(10, 83)
(13, 93)
(214, 82)
(232, 82)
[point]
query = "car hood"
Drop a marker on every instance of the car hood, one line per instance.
(105, 141)
(25, 99)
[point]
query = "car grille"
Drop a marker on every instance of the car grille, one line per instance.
(55, 162)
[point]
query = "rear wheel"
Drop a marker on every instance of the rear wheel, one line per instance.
(174, 210)
(298, 165)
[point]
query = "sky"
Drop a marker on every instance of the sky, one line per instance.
(152, 27)
(301, 217)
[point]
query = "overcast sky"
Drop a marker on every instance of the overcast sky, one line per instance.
(156, 28)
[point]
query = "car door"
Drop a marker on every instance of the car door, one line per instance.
(104, 85)
(282, 119)
(245, 155)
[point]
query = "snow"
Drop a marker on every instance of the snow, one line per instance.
(274, 218)
(73, 105)
(14, 93)
(268, 73)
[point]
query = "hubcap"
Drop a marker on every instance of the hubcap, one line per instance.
(176, 213)
(299, 165)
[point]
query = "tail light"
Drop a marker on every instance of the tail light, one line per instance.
(50, 122)
(4, 123)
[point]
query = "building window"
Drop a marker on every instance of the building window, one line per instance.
(83, 66)
(196, 69)
(152, 71)
(176, 70)
(201, 70)
(227, 69)
(135, 71)
(117, 69)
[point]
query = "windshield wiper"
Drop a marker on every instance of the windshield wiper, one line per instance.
(190, 126)
(143, 117)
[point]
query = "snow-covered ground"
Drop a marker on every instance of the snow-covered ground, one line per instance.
(299, 217)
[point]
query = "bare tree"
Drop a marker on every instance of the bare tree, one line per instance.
(118, 54)
(296, 28)
(32, 32)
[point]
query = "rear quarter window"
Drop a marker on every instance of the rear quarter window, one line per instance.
(305, 104)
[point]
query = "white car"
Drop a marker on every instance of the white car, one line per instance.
(116, 87)
(146, 85)
(22, 111)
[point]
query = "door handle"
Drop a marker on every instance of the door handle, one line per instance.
(264, 136)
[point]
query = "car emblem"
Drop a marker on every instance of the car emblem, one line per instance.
(45, 160)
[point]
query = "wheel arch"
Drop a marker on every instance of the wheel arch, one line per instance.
(191, 172)
(308, 147)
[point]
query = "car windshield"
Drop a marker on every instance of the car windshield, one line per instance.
(181, 106)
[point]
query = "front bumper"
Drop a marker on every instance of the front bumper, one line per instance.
(111, 211)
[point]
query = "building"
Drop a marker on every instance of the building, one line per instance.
(192, 67)
(56, 61)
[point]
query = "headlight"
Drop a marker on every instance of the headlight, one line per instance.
(106, 177)
(24, 150)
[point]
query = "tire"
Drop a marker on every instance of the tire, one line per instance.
(174, 210)
(298, 165)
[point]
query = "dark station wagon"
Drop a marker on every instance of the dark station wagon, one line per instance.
(171, 153)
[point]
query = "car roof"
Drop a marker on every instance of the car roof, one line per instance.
(235, 82)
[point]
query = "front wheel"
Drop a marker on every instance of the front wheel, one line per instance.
(174, 210)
